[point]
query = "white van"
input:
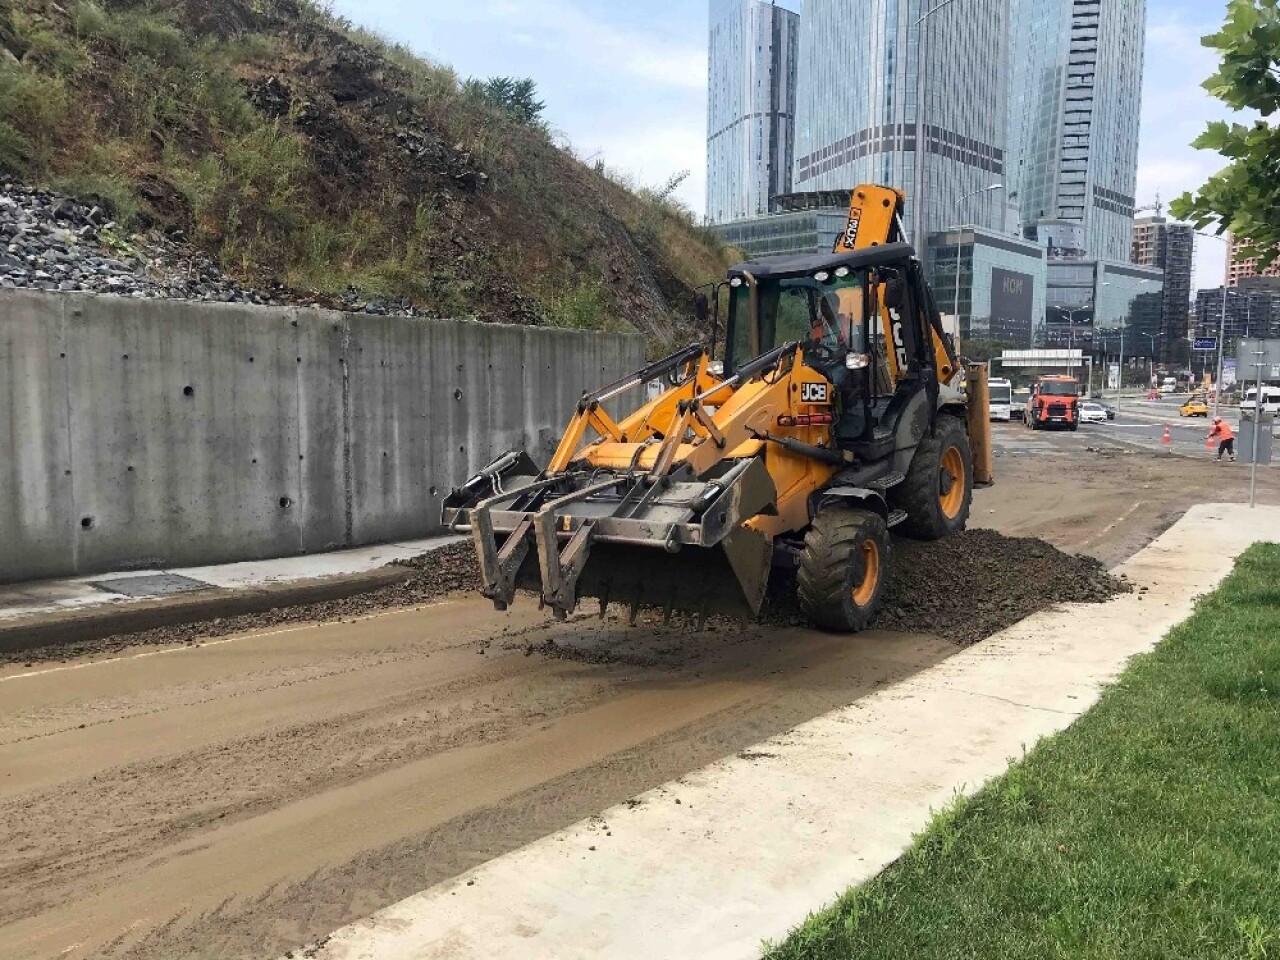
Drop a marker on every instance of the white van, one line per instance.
(1001, 393)
(1270, 399)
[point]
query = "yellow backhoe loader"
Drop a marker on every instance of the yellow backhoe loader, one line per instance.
(837, 416)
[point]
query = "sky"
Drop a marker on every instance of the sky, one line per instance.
(626, 81)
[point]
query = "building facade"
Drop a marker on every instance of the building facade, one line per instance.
(750, 107)
(883, 99)
(788, 233)
(1075, 98)
(1252, 311)
(1171, 248)
(1001, 285)
(1240, 267)
(1089, 302)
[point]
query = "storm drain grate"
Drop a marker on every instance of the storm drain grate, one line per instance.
(152, 585)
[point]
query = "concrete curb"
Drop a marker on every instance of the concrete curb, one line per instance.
(96, 623)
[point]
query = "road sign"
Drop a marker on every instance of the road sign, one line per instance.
(1206, 343)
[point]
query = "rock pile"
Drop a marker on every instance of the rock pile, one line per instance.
(49, 242)
(54, 243)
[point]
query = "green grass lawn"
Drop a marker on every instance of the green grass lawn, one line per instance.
(1150, 828)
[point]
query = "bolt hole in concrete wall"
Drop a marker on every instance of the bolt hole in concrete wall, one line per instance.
(313, 427)
(86, 523)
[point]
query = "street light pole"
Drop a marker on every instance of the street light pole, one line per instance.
(1257, 427)
(1222, 323)
(922, 115)
(960, 240)
(1222, 334)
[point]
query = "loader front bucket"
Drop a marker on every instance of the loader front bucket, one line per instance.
(678, 544)
(728, 579)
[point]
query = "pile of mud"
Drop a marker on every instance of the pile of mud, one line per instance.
(963, 589)
(969, 586)
(450, 569)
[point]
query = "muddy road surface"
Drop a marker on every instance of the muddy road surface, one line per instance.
(247, 789)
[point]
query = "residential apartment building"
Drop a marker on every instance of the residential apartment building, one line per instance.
(1171, 248)
(1240, 267)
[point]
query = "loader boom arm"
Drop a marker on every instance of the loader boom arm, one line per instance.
(875, 218)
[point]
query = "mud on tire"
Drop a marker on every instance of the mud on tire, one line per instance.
(843, 569)
(934, 509)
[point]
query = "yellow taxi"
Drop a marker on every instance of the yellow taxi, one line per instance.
(1194, 407)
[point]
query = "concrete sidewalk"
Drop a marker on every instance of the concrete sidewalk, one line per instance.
(24, 600)
(741, 851)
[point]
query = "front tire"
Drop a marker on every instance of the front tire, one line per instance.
(843, 569)
(938, 490)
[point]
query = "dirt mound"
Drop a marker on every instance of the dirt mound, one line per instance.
(963, 589)
(970, 586)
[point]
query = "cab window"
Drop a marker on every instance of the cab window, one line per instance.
(827, 313)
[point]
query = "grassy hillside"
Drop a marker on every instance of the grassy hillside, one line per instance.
(300, 151)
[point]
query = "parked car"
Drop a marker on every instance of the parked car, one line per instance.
(1093, 412)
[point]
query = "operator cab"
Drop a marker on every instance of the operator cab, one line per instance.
(832, 304)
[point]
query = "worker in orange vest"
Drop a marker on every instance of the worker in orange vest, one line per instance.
(1226, 438)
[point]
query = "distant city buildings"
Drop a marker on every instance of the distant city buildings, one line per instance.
(1171, 248)
(1012, 125)
(750, 107)
(1252, 310)
(921, 106)
(1075, 98)
(1242, 268)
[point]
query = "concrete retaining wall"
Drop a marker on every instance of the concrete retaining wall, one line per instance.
(140, 433)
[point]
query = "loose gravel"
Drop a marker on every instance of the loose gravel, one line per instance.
(963, 589)
(58, 244)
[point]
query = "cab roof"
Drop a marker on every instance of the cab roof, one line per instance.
(805, 264)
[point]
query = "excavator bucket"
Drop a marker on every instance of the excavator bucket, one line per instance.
(671, 543)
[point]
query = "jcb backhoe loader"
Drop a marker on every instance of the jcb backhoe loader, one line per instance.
(838, 416)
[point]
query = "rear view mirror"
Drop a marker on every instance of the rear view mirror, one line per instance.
(895, 293)
(701, 307)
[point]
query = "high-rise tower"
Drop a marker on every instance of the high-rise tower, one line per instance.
(891, 93)
(1075, 98)
(750, 107)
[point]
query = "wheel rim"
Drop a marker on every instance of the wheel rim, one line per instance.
(951, 483)
(866, 589)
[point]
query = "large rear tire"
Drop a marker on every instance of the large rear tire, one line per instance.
(843, 569)
(938, 490)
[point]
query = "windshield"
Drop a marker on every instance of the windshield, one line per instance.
(1059, 388)
(1000, 394)
(827, 313)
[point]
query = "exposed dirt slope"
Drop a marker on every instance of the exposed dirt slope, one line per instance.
(299, 151)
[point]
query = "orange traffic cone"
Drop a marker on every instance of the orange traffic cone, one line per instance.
(1167, 439)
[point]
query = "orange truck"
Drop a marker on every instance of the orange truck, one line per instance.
(1054, 402)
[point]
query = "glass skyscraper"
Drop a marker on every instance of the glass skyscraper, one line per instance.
(866, 112)
(1075, 97)
(750, 107)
